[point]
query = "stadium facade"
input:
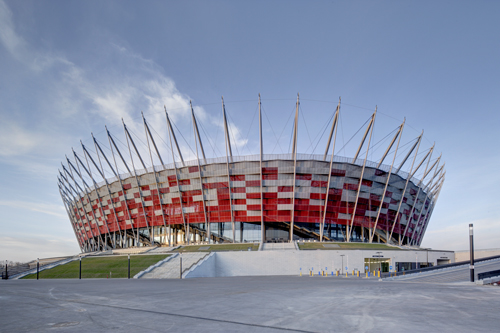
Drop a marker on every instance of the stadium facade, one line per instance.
(270, 198)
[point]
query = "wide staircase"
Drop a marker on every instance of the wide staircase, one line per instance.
(278, 246)
(171, 269)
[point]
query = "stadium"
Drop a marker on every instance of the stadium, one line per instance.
(119, 198)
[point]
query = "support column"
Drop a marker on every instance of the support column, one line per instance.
(89, 172)
(406, 185)
(148, 135)
(101, 171)
(400, 134)
(334, 132)
(111, 144)
(170, 135)
(80, 242)
(228, 149)
(294, 155)
(369, 128)
(127, 136)
(91, 246)
(197, 134)
(262, 225)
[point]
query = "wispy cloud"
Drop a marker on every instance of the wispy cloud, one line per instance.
(28, 248)
(455, 237)
(45, 208)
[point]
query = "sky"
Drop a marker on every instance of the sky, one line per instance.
(68, 68)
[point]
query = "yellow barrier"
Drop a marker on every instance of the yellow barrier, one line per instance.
(358, 273)
(345, 274)
(366, 273)
(378, 273)
(337, 273)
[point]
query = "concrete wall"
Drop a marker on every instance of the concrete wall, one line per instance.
(248, 263)
(464, 255)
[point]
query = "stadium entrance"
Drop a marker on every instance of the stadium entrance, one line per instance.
(376, 264)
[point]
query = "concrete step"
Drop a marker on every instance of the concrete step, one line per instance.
(171, 268)
(278, 246)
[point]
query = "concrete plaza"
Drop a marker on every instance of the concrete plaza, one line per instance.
(247, 304)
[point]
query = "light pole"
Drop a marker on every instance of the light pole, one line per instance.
(379, 255)
(471, 241)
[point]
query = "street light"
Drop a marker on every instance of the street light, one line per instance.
(471, 241)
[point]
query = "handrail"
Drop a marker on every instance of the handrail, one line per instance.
(428, 269)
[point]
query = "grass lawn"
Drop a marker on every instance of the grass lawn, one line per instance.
(99, 267)
(346, 246)
(218, 247)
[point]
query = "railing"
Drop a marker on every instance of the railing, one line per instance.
(428, 269)
(485, 275)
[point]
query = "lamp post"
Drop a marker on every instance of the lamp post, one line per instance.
(37, 267)
(471, 241)
(342, 255)
(80, 275)
(129, 266)
(180, 272)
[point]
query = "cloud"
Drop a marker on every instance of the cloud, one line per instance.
(12, 42)
(50, 209)
(25, 249)
(17, 46)
(456, 237)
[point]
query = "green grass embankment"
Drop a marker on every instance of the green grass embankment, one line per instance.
(345, 246)
(218, 247)
(100, 267)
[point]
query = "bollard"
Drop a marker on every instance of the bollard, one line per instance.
(345, 274)
(353, 272)
(366, 273)
(180, 267)
(337, 273)
(378, 273)
(358, 273)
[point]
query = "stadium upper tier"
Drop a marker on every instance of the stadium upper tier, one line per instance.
(250, 198)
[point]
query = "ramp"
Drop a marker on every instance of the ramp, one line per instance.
(449, 275)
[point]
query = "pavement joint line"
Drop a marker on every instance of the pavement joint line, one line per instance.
(187, 316)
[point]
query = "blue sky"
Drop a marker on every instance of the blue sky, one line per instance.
(70, 67)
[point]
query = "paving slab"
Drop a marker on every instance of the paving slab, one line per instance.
(246, 304)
